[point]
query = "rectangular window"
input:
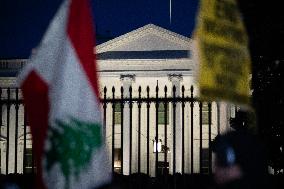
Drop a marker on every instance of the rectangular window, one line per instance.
(234, 110)
(117, 114)
(163, 168)
(158, 145)
(29, 160)
(205, 160)
(117, 160)
(162, 114)
(205, 111)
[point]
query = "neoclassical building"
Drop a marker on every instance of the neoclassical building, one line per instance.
(149, 56)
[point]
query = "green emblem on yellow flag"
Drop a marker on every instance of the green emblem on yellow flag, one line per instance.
(71, 146)
(223, 52)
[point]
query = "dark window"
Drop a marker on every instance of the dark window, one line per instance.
(205, 116)
(28, 160)
(117, 114)
(205, 160)
(162, 114)
(163, 168)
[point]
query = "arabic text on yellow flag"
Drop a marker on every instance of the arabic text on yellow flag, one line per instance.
(223, 52)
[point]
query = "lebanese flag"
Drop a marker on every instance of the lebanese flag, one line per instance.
(60, 89)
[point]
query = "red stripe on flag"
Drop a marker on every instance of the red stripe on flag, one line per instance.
(35, 92)
(80, 29)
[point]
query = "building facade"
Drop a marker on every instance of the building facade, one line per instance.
(150, 57)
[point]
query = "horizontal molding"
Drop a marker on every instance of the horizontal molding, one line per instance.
(157, 54)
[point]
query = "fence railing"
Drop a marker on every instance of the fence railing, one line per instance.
(165, 133)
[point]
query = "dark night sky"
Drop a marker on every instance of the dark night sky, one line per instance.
(265, 25)
(24, 22)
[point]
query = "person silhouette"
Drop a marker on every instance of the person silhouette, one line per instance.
(240, 161)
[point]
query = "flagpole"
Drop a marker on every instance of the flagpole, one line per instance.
(170, 12)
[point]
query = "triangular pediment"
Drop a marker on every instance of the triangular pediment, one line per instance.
(147, 38)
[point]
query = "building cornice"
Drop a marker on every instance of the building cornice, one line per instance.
(8, 82)
(150, 28)
(169, 65)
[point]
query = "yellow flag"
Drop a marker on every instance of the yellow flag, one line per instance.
(223, 52)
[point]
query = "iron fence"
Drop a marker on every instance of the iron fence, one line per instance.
(172, 110)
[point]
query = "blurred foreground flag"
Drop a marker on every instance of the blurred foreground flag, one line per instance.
(60, 89)
(223, 52)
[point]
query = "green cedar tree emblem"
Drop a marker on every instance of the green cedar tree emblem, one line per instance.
(71, 146)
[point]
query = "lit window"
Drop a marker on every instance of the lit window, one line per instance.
(117, 160)
(159, 146)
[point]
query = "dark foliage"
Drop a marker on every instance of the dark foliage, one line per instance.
(265, 26)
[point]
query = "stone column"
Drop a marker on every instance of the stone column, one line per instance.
(218, 118)
(175, 80)
(224, 117)
(126, 82)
